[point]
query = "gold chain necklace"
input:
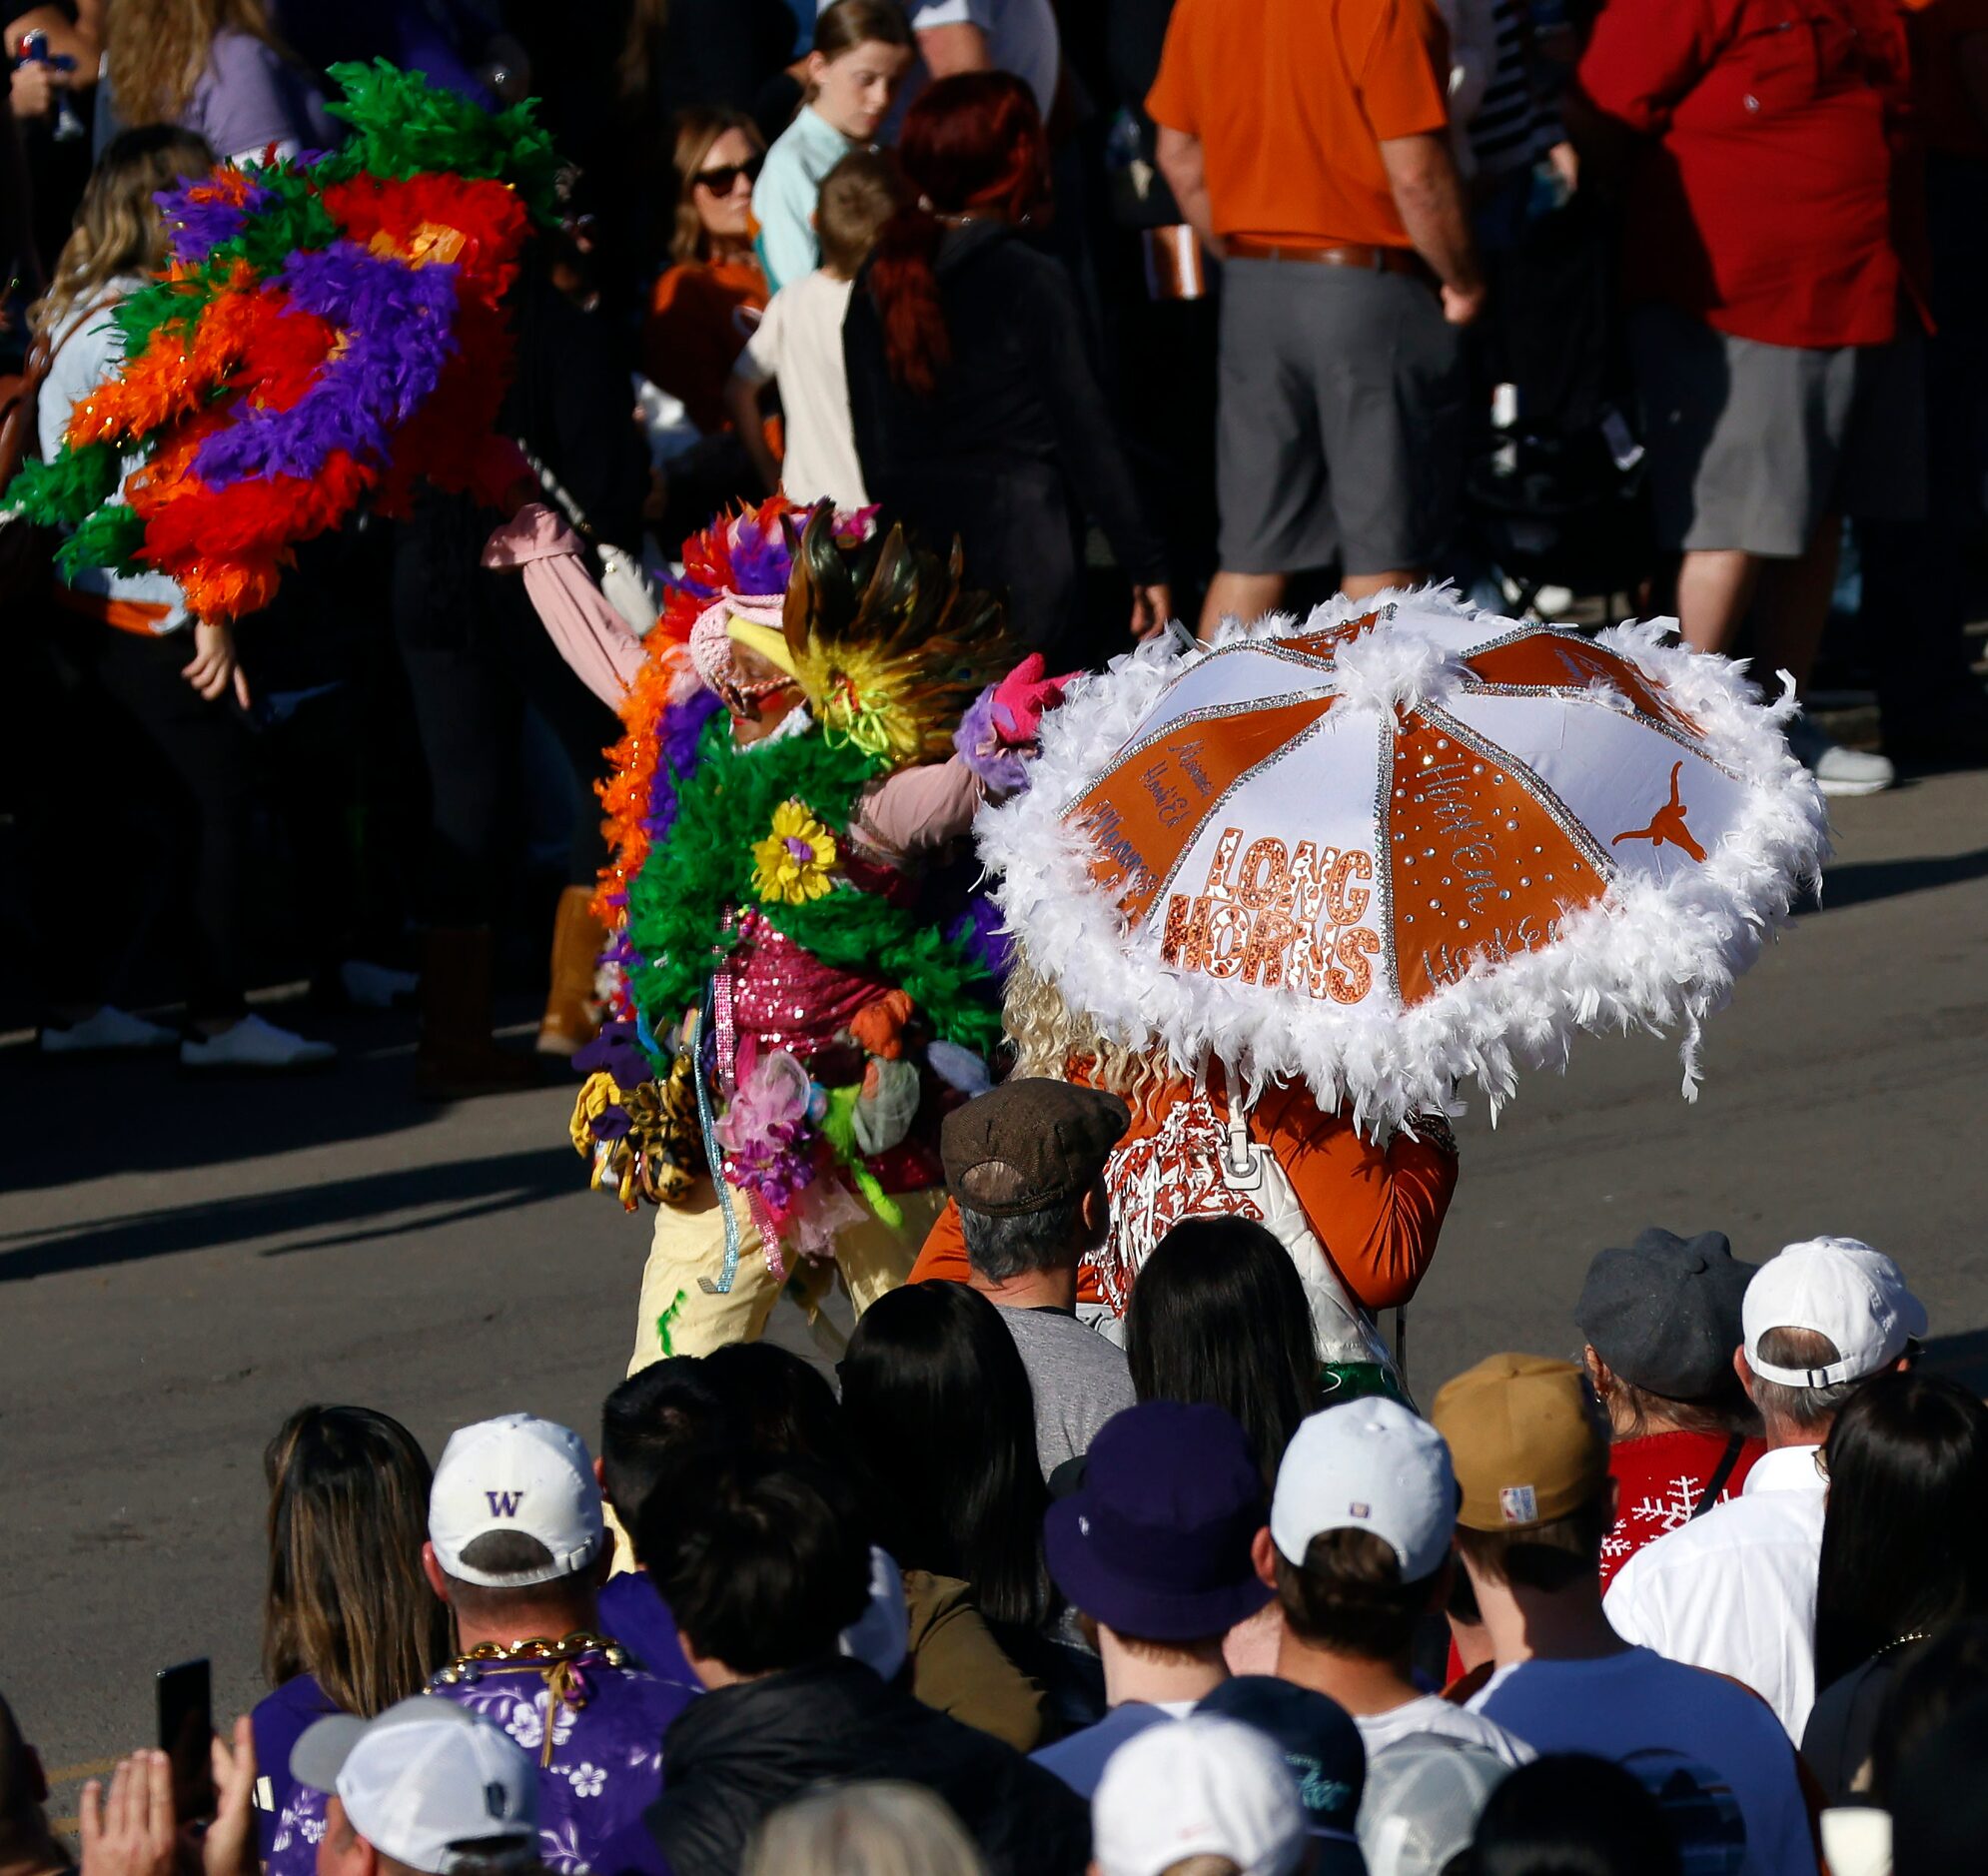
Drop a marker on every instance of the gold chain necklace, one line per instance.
(534, 1652)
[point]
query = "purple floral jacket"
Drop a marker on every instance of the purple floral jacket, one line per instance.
(594, 1730)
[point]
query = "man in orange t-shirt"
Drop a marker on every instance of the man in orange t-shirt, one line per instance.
(1307, 142)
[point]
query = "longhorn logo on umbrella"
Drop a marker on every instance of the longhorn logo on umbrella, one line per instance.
(1668, 824)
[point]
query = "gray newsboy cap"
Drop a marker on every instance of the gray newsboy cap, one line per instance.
(1664, 1314)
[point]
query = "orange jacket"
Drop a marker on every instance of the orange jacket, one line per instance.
(1376, 1212)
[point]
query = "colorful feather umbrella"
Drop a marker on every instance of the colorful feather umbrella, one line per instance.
(329, 331)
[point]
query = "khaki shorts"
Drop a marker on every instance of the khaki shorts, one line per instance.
(1752, 445)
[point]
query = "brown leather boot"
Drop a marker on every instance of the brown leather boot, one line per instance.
(573, 1014)
(457, 1058)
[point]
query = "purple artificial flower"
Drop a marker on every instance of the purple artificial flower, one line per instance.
(616, 1053)
(610, 1124)
(979, 744)
(979, 929)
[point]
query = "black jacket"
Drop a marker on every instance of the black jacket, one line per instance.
(1016, 444)
(740, 1752)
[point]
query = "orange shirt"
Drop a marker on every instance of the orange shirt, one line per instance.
(1377, 1213)
(701, 315)
(1290, 100)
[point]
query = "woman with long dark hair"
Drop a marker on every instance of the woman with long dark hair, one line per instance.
(1904, 1551)
(755, 1397)
(935, 1393)
(1219, 1315)
(350, 1624)
(936, 1398)
(977, 411)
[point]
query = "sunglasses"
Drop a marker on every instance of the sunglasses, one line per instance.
(724, 179)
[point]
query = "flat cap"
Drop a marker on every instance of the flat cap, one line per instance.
(1664, 1312)
(1028, 1145)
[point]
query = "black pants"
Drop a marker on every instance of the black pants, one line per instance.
(158, 743)
(1917, 579)
(476, 654)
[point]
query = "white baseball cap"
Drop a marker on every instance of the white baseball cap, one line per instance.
(1423, 1796)
(515, 1472)
(1839, 1288)
(1368, 1466)
(1200, 1786)
(424, 1782)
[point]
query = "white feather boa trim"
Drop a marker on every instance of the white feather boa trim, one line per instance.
(1647, 956)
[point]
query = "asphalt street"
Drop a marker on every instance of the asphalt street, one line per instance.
(181, 1264)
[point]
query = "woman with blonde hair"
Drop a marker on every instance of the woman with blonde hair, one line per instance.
(877, 1828)
(126, 640)
(350, 1624)
(215, 68)
(706, 302)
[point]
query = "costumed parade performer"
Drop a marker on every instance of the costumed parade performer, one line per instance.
(1290, 893)
(810, 725)
(309, 338)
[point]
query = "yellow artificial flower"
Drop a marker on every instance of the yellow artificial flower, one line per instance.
(791, 864)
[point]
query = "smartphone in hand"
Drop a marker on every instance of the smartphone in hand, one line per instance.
(186, 1734)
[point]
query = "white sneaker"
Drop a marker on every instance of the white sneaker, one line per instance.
(254, 1044)
(107, 1030)
(370, 986)
(1837, 770)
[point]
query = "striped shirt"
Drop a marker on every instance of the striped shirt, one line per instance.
(1511, 129)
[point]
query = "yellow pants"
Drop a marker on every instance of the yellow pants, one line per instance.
(677, 1316)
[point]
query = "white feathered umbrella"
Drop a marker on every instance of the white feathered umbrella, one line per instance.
(1404, 846)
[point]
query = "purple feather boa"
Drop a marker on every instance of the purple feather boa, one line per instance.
(200, 222)
(683, 725)
(397, 323)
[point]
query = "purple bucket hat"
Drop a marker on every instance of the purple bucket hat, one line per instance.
(1156, 1540)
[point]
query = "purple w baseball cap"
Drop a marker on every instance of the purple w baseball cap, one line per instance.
(1156, 1540)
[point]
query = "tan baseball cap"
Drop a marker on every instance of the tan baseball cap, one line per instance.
(1525, 1439)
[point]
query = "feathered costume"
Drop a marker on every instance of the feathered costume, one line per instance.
(330, 331)
(792, 1011)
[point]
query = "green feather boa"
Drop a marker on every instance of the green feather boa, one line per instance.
(702, 869)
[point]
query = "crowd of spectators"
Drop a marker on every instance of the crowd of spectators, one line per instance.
(1158, 306)
(1252, 1620)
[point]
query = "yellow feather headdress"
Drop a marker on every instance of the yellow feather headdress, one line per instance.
(887, 645)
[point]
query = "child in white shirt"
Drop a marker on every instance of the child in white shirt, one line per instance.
(798, 345)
